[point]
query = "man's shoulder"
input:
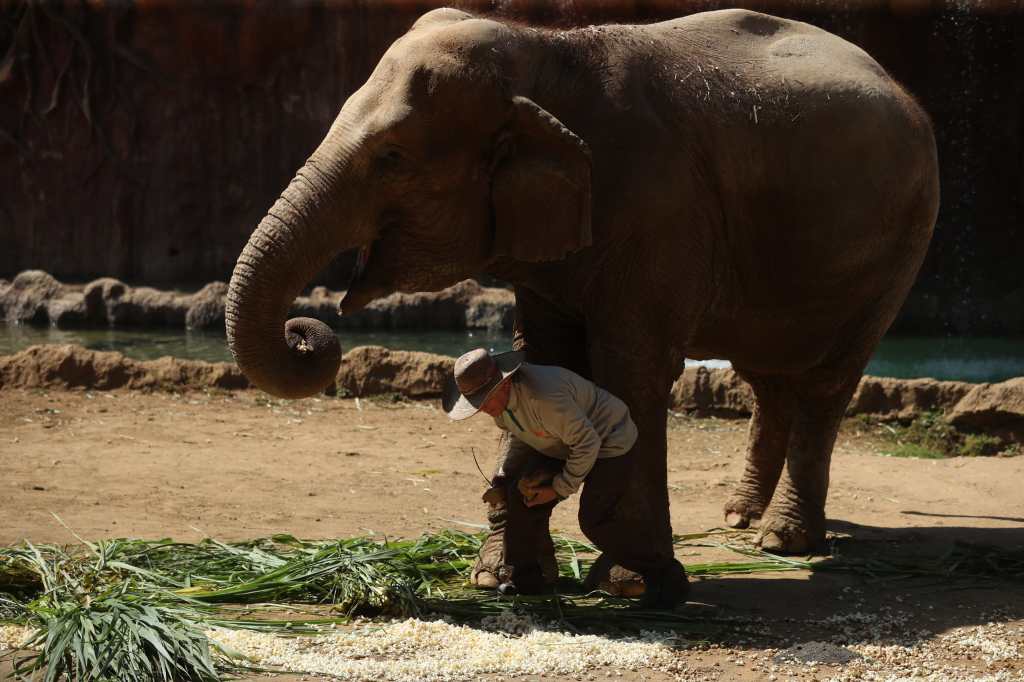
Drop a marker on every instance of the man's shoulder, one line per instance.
(549, 379)
(545, 372)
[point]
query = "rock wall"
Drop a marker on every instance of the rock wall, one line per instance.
(70, 366)
(373, 370)
(144, 139)
(992, 408)
(36, 297)
(706, 391)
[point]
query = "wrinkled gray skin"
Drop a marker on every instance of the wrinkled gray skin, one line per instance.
(726, 185)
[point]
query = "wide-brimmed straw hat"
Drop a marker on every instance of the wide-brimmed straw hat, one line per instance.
(476, 375)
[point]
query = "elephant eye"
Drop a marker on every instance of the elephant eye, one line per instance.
(389, 159)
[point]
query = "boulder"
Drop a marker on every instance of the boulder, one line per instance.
(168, 371)
(113, 302)
(145, 306)
(68, 310)
(375, 370)
(707, 391)
(26, 297)
(321, 304)
(64, 366)
(101, 296)
(992, 408)
(206, 309)
(72, 366)
(904, 398)
(491, 308)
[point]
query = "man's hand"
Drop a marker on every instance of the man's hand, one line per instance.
(541, 495)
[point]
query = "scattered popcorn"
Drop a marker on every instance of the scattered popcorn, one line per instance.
(413, 650)
(990, 643)
(12, 636)
(510, 645)
(946, 658)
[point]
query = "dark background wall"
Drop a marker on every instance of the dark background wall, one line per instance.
(145, 139)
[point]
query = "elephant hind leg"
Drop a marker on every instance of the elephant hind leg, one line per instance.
(767, 439)
(795, 520)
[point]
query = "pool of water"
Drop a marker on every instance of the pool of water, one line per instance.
(947, 358)
(148, 344)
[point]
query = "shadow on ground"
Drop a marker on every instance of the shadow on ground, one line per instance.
(883, 601)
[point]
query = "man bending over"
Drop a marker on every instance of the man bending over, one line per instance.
(584, 435)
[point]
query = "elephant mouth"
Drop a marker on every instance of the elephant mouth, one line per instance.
(355, 297)
(362, 257)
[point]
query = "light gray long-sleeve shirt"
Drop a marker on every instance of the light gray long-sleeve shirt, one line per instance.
(562, 415)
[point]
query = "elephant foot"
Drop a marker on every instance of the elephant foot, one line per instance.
(629, 588)
(489, 577)
(486, 573)
(741, 512)
(613, 579)
(782, 535)
(490, 569)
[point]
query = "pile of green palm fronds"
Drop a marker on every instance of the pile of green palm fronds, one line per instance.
(355, 575)
(137, 610)
(97, 617)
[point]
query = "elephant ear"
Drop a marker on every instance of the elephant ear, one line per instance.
(540, 189)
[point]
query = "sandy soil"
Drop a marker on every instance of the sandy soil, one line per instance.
(242, 465)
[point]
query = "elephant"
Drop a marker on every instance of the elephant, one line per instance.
(724, 185)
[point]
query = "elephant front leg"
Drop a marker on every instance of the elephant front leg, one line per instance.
(491, 568)
(766, 450)
(646, 501)
(643, 384)
(488, 571)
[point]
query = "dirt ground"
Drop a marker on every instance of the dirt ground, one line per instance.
(242, 465)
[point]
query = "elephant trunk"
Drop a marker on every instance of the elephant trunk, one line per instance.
(297, 238)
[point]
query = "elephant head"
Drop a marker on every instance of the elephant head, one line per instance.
(437, 168)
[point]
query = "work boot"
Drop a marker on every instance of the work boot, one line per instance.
(527, 579)
(666, 587)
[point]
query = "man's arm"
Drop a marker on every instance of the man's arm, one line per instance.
(567, 422)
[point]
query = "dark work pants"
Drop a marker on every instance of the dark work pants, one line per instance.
(626, 539)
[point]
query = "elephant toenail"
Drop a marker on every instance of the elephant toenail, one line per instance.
(736, 520)
(771, 542)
